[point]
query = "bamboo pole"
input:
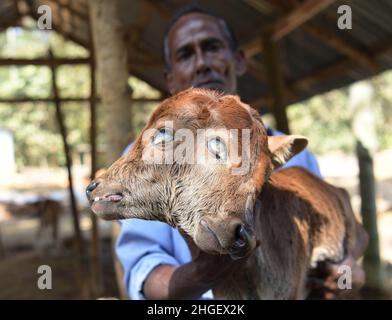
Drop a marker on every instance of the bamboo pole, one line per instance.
(78, 243)
(2, 249)
(96, 269)
(111, 58)
(68, 160)
(361, 103)
(275, 82)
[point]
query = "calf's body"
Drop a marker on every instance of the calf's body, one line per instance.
(300, 220)
(226, 198)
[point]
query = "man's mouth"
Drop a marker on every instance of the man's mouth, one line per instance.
(210, 84)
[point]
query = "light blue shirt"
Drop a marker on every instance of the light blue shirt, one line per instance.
(144, 245)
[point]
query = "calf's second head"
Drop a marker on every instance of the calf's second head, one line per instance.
(198, 165)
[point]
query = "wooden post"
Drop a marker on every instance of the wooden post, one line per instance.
(112, 70)
(95, 263)
(371, 261)
(2, 249)
(364, 129)
(68, 160)
(275, 82)
(96, 271)
(79, 248)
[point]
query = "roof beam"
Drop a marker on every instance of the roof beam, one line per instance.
(329, 71)
(298, 16)
(72, 10)
(70, 99)
(161, 9)
(291, 21)
(262, 6)
(338, 67)
(32, 12)
(43, 61)
(340, 45)
(326, 37)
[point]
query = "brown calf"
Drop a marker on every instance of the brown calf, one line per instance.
(225, 195)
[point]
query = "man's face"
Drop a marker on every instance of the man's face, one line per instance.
(201, 57)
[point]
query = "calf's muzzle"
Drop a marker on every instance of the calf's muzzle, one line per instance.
(234, 238)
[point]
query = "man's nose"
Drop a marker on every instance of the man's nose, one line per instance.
(91, 187)
(201, 62)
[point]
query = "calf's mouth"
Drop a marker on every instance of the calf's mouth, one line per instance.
(108, 206)
(105, 204)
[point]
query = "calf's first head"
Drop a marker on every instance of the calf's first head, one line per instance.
(198, 165)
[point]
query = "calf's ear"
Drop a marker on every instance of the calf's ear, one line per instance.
(283, 148)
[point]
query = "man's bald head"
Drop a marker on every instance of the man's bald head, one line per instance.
(223, 24)
(202, 52)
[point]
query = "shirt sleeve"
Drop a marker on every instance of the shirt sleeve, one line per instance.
(141, 247)
(305, 159)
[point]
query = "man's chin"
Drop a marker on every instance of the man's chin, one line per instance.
(217, 86)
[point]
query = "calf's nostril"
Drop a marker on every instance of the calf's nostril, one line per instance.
(241, 235)
(91, 187)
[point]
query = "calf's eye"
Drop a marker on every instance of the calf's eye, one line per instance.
(163, 136)
(218, 148)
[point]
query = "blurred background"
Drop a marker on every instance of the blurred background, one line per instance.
(337, 89)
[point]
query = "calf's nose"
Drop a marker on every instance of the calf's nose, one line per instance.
(91, 187)
(241, 236)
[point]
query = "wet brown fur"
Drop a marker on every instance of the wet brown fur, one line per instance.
(298, 219)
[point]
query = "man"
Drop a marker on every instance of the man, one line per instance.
(200, 50)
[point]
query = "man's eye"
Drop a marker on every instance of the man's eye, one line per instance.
(218, 148)
(163, 136)
(183, 55)
(213, 47)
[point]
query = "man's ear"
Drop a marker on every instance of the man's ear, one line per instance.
(240, 62)
(283, 148)
(170, 81)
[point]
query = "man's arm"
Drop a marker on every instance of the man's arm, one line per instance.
(190, 280)
(156, 286)
(144, 246)
(156, 263)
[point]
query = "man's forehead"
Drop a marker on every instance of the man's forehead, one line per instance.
(195, 24)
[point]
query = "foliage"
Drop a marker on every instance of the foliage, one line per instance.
(326, 119)
(34, 127)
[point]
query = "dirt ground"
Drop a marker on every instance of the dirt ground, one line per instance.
(18, 233)
(19, 275)
(23, 251)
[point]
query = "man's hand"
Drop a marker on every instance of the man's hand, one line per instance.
(191, 280)
(204, 272)
(323, 283)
